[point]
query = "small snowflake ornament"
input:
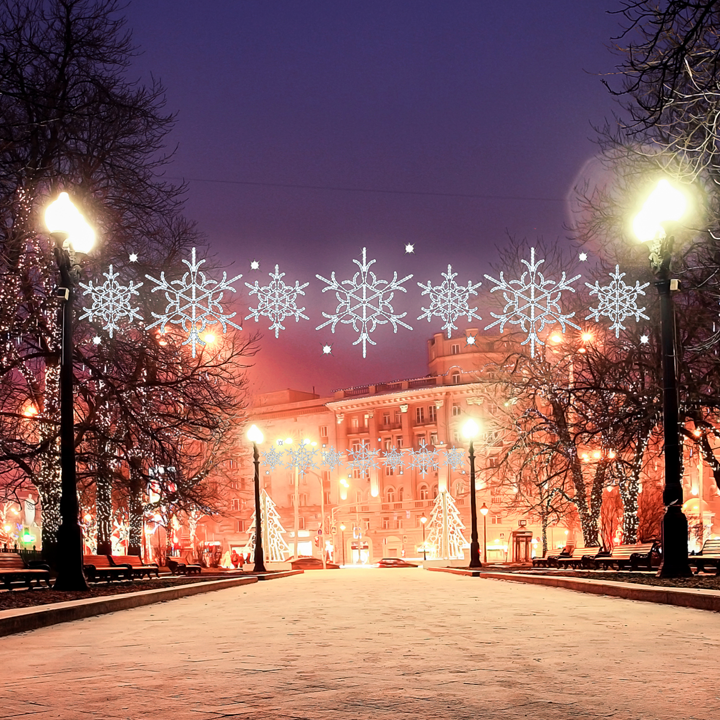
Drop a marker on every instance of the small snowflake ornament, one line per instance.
(532, 302)
(393, 458)
(111, 302)
(454, 457)
(449, 301)
(301, 458)
(363, 459)
(332, 458)
(617, 301)
(423, 460)
(364, 302)
(194, 302)
(277, 301)
(273, 457)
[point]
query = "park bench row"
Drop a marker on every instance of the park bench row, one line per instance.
(622, 557)
(117, 567)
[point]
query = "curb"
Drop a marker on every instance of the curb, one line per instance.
(696, 599)
(279, 574)
(16, 621)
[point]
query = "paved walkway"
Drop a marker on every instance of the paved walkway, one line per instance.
(372, 645)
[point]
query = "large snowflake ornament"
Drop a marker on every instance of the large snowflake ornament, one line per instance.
(617, 301)
(449, 300)
(276, 300)
(111, 301)
(273, 457)
(332, 457)
(454, 457)
(194, 302)
(393, 458)
(363, 458)
(364, 302)
(423, 460)
(301, 457)
(532, 302)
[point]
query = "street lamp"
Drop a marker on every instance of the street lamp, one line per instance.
(484, 511)
(342, 542)
(423, 520)
(256, 437)
(470, 432)
(667, 204)
(71, 234)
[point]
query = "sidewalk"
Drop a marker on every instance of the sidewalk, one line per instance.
(372, 645)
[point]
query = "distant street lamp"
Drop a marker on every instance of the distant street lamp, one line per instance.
(667, 204)
(423, 520)
(342, 542)
(256, 437)
(484, 511)
(470, 432)
(71, 234)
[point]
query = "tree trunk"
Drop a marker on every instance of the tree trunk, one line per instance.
(103, 510)
(136, 513)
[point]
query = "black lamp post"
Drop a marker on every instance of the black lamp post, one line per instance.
(470, 430)
(667, 204)
(342, 542)
(255, 437)
(423, 520)
(71, 233)
(484, 511)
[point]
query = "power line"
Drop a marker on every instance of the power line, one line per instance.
(384, 191)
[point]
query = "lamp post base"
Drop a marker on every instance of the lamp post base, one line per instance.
(475, 555)
(69, 559)
(674, 544)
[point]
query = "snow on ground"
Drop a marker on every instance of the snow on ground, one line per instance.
(373, 644)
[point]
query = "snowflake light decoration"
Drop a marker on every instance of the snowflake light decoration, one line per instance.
(111, 301)
(617, 301)
(301, 457)
(194, 302)
(277, 301)
(454, 457)
(364, 302)
(423, 460)
(331, 457)
(363, 458)
(393, 459)
(449, 300)
(273, 457)
(532, 302)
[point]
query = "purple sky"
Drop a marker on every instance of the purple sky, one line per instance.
(431, 100)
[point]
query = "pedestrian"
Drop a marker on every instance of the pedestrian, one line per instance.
(235, 559)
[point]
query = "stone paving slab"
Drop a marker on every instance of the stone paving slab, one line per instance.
(372, 645)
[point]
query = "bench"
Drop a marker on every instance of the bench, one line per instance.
(178, 567)
(709, 556)
(13, 568)
(634, 556)
(99, 567)
(580, 557)
(549, 559)
(137, 567)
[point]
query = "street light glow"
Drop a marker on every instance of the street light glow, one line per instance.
(665, 203)
(61, 216)
(484, 509)
(254, 435)
(470, 429)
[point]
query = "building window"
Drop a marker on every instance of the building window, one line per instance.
(327, 497)
(358, 496)
(419, 439)
(323, 431)
(240, 526)
(456, 410)
(356, 473)
(432, 413)
(424, 495)
(303, 499)
(398, 442)
(355, 446)
(355, 423)
(389, 470)
(456, 436)
(495, 519)
(390, 493)
(386, 523)
(400, 494)
(397, 417)
(301, 523)
(235, 504)
(398, 523)
(433, 438)
(455, 377)
(492, 462)
(325, 476)
(419, 415)
(387, 444)
(435, 491)
(386, 419)
(459, 487)
(366, 523)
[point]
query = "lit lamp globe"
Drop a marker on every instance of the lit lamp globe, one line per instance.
(254, 435)
(62, 217)
(470, 430)
(665, 204)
